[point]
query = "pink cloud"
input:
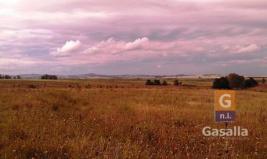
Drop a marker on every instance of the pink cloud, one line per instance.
(249, 48)
(112, 46)
(111, 50)
(241, 48)
(259, 62)
(141, 30)
(67, 48)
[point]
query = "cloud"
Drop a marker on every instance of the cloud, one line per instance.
(112, 51)
(249, 48)
(67, 48)
(112, 46)
(158, 32)
(192, 51)
(241, 47)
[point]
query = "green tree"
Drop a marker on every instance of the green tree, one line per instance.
(235, 81)
(49, 77)
(220, 83)
(149, 82)
(157, 82)
(251, 82)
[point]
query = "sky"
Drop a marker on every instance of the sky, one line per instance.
(133, 37)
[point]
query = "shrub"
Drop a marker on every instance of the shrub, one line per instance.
(157, 82)
(235, 81)
(176, 83)
(251, 82)
(221, 83)
(154, 82)
(17, 77)
(50, 77)
(263, 80)
(164, 83)
(149, 82)
(5, 77)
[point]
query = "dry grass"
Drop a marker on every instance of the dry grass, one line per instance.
(122, 119)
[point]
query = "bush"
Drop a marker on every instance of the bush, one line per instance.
(263, 80)
(149, 82)
(157, 82)
(221, 83)
(50, 77)
(17, 77)
(177, 83)
(5, 77)
(250, 83)
(164, 83)
(235, 81)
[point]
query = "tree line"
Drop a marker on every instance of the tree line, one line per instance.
(9, 77)
(235, 81)
(49, 77)
(157, 82)
(44, 77)
(232, 81)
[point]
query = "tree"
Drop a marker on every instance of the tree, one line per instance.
(235, 81)
(154, 82)
(149, 82)
(263, 80)
(164, 83)
(220, 83)
(49, 77)
(16, 77)
(157, 82)
(7, 77)
(251, 82)
(176, 82)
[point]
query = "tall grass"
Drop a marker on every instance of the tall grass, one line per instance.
(122, 119)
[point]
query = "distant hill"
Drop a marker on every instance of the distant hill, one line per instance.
(126, 76)
(30, 76)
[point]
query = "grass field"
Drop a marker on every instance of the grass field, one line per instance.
(124, 119)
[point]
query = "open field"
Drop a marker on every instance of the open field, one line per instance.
(124, 119)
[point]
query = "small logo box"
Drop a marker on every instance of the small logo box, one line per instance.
(225, 106)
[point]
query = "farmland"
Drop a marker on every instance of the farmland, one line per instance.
(119, 118)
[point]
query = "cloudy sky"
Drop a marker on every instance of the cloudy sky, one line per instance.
(133, 36)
